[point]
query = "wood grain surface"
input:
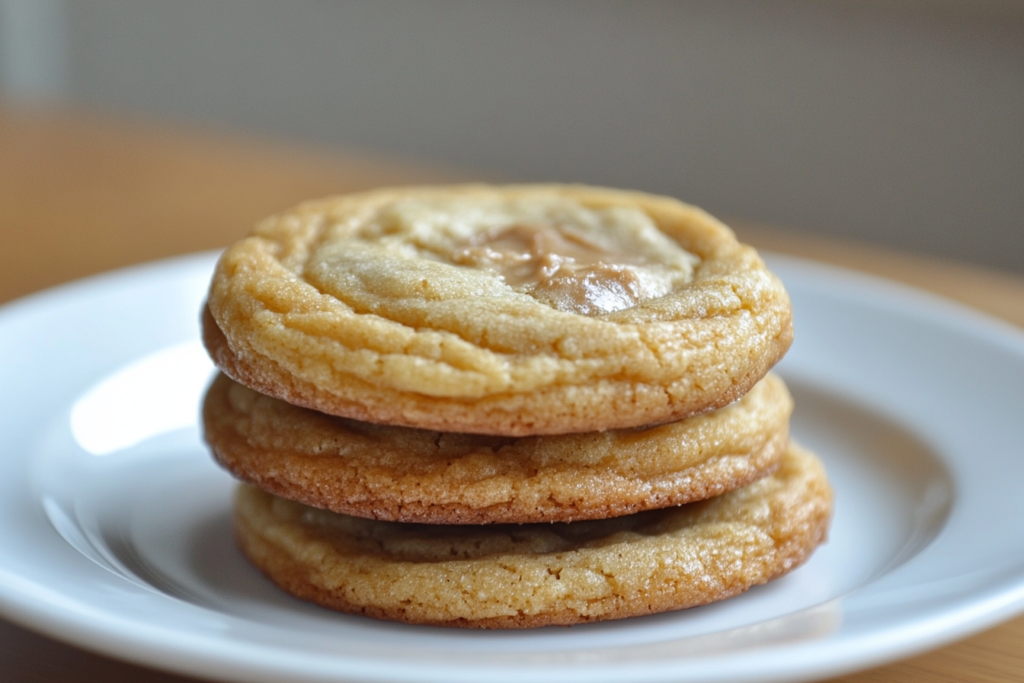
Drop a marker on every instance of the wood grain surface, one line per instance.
(82, 193)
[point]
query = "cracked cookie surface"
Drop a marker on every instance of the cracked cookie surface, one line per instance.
(517, 576)
(515, 310)
(412, 475)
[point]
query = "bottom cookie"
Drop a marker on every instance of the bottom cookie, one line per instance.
(521, 576)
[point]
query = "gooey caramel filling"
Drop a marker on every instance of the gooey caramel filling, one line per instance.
(560, 252)
(561, 268)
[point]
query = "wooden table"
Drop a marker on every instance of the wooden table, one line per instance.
(80, 194)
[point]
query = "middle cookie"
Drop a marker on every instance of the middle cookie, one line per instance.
(412, 475)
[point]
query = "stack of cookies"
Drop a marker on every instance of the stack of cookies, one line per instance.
(507, 407)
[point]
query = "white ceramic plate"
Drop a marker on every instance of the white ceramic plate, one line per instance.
(114, 523)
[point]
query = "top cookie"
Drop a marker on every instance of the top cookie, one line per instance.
(501, 310)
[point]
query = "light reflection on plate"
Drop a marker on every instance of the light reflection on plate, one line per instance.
(148, 397)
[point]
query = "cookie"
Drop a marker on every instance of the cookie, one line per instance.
(413, 475)
(513, 311)
(507, 576)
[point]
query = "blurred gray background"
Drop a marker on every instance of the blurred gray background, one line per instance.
(893, 121)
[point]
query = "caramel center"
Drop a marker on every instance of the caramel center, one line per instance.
(563, 269)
